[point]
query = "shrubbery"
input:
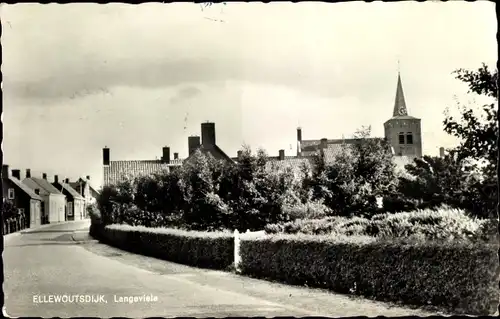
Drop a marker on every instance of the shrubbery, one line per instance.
(9, 210)
(206, 194)
(460, 276)
(443, 223)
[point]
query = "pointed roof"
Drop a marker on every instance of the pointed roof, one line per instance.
(213, 150)
(400, 103)
(69, 190)
(25, 188)
(83, 182)
(44, 184)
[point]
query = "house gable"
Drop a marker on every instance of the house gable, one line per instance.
(19, 187)
(213, 151)
(68, 191)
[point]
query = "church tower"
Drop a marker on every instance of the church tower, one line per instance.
(403, 131)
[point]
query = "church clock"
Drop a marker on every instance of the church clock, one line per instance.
(402, 111)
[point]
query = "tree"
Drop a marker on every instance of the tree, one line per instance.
(147, 195)
(203, 208)
(374, 164)
(350, 183)
(435, 181)
(479, 136)
(255, 191)
(8, 210)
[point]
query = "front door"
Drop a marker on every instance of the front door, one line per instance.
(71, 215)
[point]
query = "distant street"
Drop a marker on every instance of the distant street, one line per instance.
(63, 260)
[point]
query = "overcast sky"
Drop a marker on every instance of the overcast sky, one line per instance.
(135, 78)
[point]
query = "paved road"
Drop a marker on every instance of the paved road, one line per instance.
(63, 260)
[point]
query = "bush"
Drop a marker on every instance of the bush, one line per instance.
(94, 213)
(460, 276)
(308, 210)
(444, 223)
(213, 250)
(9, 210)
(396, 203)
(96, 223)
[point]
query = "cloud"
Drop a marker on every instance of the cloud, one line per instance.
(327, 50)
(185, 94)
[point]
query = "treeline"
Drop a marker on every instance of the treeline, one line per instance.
(207, 194)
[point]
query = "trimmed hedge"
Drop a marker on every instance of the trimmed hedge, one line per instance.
(214, 250)
(460, 276)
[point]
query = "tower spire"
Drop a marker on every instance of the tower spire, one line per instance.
(399, 103)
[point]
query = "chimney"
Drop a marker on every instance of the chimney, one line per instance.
(44, 175)
(239, 154)
(28, 173)
(66, 180)
(16, 173)
(105, 156)
(176, 156)
(88, 177)
(37, 191)
(323, 143)
(282, 155)
(166, 155)
(299, 141)
(441, 152)
(193, 143)
(56, 179)
(208, 134)
(5, 171)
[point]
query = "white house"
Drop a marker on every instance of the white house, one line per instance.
(54, 201)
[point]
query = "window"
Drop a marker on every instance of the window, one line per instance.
(409, 138)
(10, 194)
(401, 138)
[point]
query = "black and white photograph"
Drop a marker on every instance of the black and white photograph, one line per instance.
(249, 159)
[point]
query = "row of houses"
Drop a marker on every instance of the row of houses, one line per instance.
(42, 201)
(402, 132)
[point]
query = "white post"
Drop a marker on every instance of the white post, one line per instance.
(237, 257)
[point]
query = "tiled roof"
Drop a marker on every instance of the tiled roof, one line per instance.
(43, 183)
(76, 185)
(310, 147)
(289, 162)
(25, 188)
(214, 150)
(334, 150)
(117, 170)
(70, 190)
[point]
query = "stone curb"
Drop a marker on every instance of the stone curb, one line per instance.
(34, 229)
